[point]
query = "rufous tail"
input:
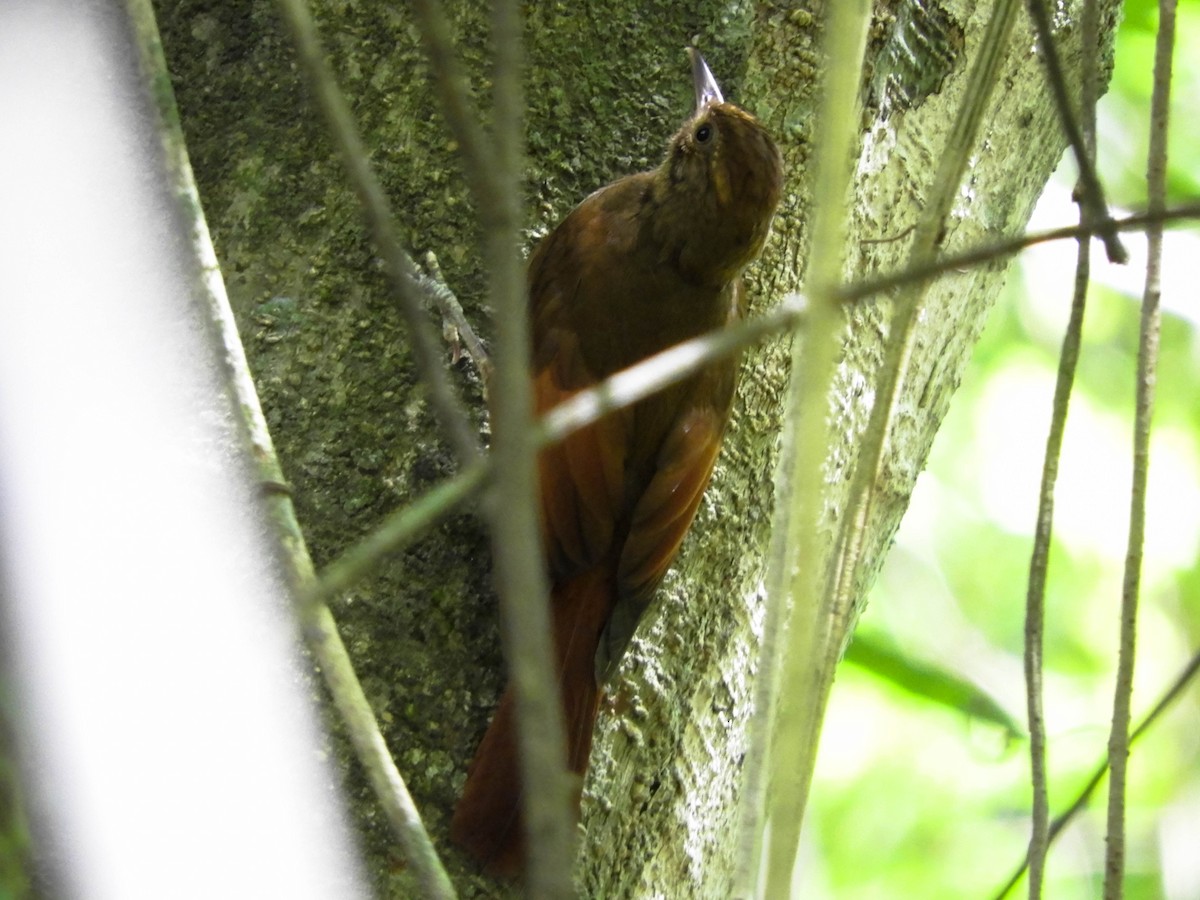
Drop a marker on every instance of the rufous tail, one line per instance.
(487, 822)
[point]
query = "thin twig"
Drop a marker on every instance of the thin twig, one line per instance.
(1093, 191)
(455, 103)
(452, 313)
(316, 621)
(666, 368)
(512, 503)
(403, 274)
(928, 269)
(1063, 819)
(1035, 598)
(582, 409)
(1147, 365)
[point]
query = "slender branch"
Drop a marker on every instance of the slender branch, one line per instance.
(918, 272)
(582, 409)
(671, 366)
(1035, 598)
(317, 625)
(1093, 191)
(1063, 819)
(666, 368)
(452, 313)
(403, 274)
(321, 635)
(1147, 364)
(512, 504)
(316, 622)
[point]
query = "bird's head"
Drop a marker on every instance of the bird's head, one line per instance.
(718, 188)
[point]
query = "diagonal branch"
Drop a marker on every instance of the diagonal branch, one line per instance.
(926, 270)
(797, 630)
(669, 367)
(396, 531)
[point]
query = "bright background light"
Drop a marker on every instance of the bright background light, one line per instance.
(168, 738)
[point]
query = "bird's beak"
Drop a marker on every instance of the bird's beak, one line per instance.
(707, 89)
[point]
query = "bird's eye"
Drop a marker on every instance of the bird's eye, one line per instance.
(704, 133)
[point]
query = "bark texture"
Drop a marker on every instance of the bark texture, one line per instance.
(606, 84)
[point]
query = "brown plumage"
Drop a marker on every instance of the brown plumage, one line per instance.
(642, 264)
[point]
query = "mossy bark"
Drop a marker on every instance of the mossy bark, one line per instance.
(606, 85)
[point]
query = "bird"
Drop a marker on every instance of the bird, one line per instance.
(647, 262)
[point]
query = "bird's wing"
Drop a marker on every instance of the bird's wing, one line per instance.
(665, 510)
(581, 482)
(581, 478)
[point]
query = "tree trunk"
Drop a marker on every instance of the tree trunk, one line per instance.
(606, 85)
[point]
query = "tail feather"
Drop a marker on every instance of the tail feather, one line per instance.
(487, 822)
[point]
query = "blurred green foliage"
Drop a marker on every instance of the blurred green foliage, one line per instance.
(917, 797)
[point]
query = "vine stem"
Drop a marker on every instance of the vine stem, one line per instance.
(1147, 365)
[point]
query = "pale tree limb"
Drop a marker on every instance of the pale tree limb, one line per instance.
(917, 273)
(1063, 819)
(398, 530)
(512, 503)
(1147, 364)
(404, 277)
(909, 305)
(316, 622)
(580, 410)
(786, 721)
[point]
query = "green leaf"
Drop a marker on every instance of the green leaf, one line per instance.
(930, 682)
